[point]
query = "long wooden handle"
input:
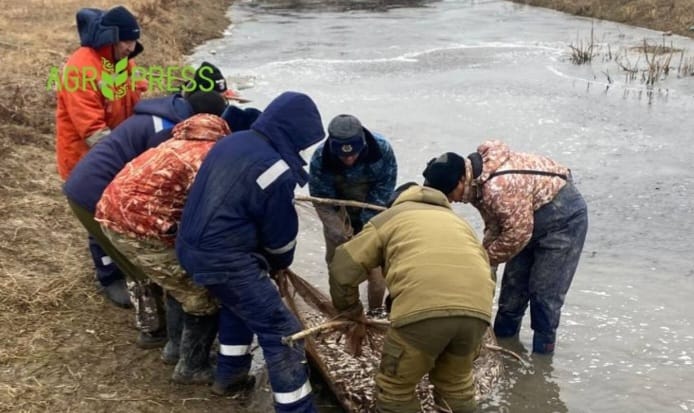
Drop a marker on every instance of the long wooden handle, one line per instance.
(338, 202)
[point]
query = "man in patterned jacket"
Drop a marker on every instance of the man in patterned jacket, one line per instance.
(139, 212)
(535, 221)
(358, 165)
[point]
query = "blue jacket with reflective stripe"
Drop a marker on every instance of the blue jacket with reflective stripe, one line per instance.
(239, 217)
(149, 126)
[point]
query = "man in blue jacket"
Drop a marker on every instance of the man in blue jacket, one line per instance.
(238, 225)
(149, 126)
(357, 165)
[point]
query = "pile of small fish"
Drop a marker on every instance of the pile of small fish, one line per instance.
(352, 378)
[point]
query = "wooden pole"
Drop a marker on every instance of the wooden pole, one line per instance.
(330, 325)
(338, 202)
(503, 350)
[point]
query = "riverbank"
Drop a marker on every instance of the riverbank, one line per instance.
(675, 16)
(62, 347)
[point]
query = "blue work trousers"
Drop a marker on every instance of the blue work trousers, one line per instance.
(542, 272)
(252, 305)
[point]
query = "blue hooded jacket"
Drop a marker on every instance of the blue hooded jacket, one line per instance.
(239, 217)
(149, 126)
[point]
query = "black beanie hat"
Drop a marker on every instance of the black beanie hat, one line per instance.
(119, 16)
(444, 172)
(207, 102)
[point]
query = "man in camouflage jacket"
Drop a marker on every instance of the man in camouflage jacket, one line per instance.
(535, 221)
(140, 211)
(358, 165)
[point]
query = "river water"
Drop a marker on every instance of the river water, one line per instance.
(444, 76)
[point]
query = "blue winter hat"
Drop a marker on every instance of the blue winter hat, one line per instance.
(120, 17)
(346, 136)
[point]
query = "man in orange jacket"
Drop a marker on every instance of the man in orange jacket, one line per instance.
(88, 108)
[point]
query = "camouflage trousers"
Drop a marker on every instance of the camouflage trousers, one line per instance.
(145, 296)
(159, 263)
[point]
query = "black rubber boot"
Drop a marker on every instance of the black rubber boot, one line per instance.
(198, 334)
(174, 328)
(117, 292)
(156, 339)
(241, 386)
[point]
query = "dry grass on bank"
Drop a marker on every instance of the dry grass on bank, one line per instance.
(676, 16)
(62, 347)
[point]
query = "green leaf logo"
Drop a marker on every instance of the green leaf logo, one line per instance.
(106, 82)
(109, 82)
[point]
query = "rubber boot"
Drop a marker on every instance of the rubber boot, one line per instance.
(146, 297)
(174, 328)
(117, 293)
(242, 386)
(506, 326)
(193, 365)
(543, 343)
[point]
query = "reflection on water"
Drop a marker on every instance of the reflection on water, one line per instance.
(529, 385)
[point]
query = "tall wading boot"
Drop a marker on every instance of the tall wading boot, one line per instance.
(146, 297)
(174, 327)
(193, 365)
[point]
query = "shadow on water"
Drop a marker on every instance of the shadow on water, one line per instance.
(335, 5)
(528, 387)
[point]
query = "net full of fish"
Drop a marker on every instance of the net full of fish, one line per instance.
(351, 378)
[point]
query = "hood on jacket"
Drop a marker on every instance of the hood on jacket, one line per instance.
(494, 154)
(201, 127)
(174, 108)
(292, 123)
(424, 195)
(93, 33)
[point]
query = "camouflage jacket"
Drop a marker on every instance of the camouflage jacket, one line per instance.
(145, 200)
(508, 202)
(371, 179)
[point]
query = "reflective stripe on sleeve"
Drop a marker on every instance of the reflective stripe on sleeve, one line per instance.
(229, 350)
(158, 123)
(281, 250)
(272, 173)
(294, 396)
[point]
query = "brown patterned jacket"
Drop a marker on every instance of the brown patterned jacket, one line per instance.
(145, 200)
(507, 202)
